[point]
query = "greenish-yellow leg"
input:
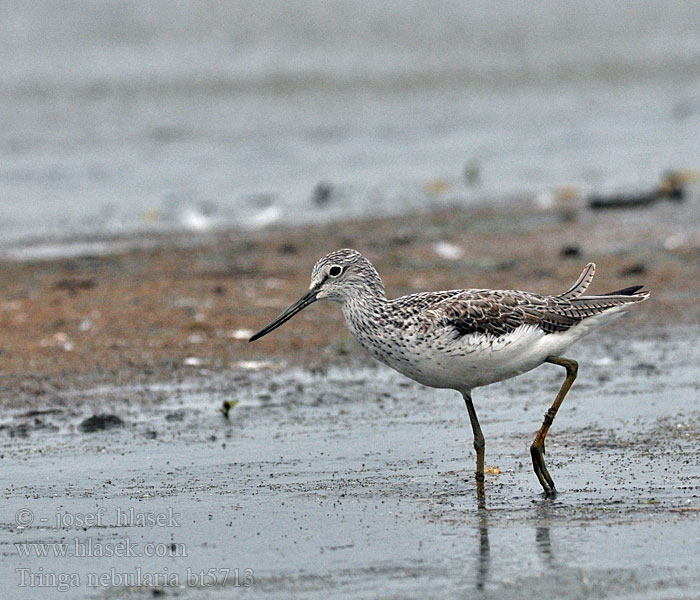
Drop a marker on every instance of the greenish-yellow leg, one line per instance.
(479, 446)
(537, 448)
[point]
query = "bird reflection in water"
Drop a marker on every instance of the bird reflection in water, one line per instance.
(482, 570)
(543, 542)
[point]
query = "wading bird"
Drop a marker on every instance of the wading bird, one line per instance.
(463, 339)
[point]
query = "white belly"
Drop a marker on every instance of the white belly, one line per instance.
(478, 361)
(475, 360)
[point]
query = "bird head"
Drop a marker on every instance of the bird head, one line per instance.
(338, 276)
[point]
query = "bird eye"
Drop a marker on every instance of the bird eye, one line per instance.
(335, 270)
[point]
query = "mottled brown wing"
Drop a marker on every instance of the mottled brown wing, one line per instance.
(497, 313)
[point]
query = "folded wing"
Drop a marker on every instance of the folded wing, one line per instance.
(500, 312)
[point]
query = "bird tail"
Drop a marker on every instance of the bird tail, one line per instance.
(628, 291)
(591, 305)
(620, 297)
(582, 283)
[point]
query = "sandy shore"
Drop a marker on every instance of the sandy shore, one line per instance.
(355, 482)
(333, 476)
(184, 301)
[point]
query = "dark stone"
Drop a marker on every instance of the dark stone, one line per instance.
(570, 251)
(73, 286)
(635, 269)
(322, 193)
(100, 423)
(623, 200)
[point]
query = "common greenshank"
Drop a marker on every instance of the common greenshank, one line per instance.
(464, 339)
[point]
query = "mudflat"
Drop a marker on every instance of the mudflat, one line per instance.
(332, 475)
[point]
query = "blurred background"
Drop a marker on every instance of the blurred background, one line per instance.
(118, 117)
(171, 170)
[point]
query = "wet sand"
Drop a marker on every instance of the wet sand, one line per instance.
(358, 483)
(333, 476)
(142, 312)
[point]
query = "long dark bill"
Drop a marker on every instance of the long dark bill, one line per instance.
(301, 304)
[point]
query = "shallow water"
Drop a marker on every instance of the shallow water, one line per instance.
(359, 483)
(121, 117)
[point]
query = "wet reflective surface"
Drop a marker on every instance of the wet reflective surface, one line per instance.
(359, 483)
(120, 117)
